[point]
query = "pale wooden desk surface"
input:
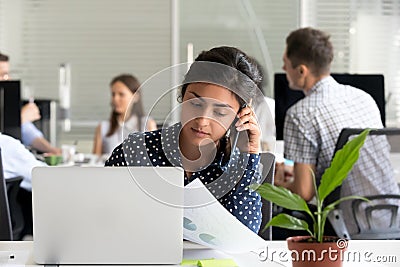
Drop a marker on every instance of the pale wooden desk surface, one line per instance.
(362, 253)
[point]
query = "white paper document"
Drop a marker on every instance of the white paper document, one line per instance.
(213, 226)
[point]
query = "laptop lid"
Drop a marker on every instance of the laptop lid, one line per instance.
(106, 215)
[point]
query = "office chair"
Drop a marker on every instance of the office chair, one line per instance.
(17, 216)
(5, 218)
(365, 211)
(371, 231)
(11, 217)
(267, 161)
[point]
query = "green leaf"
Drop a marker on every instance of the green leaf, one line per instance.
(281, 197)
(289, 222)
(341, 165)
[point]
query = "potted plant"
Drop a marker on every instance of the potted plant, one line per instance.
(316, 246)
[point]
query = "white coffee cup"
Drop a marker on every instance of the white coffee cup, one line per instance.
(68, 152)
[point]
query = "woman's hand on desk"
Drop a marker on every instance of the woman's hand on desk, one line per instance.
(283, 175)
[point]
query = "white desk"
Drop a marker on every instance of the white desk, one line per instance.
(22, 252)
(366, 252)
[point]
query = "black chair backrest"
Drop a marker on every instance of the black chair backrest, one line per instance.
(267, 160)
(16, 210)
(371, 231)
(5, 219)
(347, 132)
(342, 140)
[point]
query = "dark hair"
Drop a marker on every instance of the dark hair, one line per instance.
(3, 57)
(137, 109)
(310, 47)
(243, 77)
(261, 84)
(240, 82)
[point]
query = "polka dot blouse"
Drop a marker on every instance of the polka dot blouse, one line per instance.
(227, 181)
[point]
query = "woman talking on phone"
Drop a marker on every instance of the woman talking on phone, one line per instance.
(215, 102)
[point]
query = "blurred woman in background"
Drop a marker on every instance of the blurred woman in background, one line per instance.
(127, 115)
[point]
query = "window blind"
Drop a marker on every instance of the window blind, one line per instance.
(365, 35)
(376, 48)
(102, 38)
(334, 18)
(99, 39)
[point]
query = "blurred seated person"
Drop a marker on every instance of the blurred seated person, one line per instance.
(18, 161)
(31, 136)
(127, 115)
(265, 112)
(266, 117)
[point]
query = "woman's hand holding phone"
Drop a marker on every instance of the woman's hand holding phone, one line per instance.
(247, 122)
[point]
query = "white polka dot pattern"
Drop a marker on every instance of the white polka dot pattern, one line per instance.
(228, 182)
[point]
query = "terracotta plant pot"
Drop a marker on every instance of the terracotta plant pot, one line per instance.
(314, 254)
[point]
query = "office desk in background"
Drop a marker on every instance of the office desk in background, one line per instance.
(363, 253)
(90, 160)
(83, 160)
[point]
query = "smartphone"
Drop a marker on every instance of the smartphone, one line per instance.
(234, 132)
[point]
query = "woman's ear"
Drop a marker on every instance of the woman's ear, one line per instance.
(135, 98)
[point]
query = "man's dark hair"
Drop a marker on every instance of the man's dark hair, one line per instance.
(3, 57)
(310, 47)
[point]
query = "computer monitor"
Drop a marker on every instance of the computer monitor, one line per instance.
(10, 108)
(373, 84)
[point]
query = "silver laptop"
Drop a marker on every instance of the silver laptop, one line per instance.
(105, 215)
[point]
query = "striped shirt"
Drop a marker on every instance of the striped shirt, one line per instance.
(312, 127)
